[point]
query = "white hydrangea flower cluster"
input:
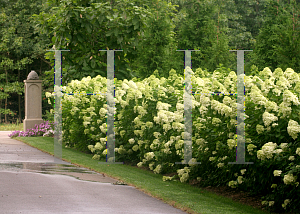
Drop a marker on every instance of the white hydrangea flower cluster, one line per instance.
(285, 203)
(158, 169)
(155, 144)
(103, 128)
(271, 106)
(270, 203)
(243, 171)
(121, 150)
(248, 83)
(217, 86)
(167, 178)
(162, 106)
(257, 97)
(220, 165)
(277, 73)
(156, 134)
(204, 100)
(284, 110)
(268, 118)
(212, 158)
(183, 174)
(149, 124)
(231, 143)
(167, 145)
(166, 127)
(131, 141)
(266, 72)
(291, 76)
(98, 146)
(289, 179)
(267, 151)
(267, 85)
(138, 122)
(260, 129)
(141, 110)
(227, 101)
(96, 157)
(164, 116)
(293, 129)
(135, 148)
(277, 172)
(132, 84)
(216, 121)
(178, 126)
(102, 112)
(149, 156)
(232, 184)
(282, 84)
(283, 145)
(192, 162)
(91, 147)
(221, 108)
(289, 97)
(240, 179)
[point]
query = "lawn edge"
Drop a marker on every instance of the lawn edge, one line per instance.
(170, 202)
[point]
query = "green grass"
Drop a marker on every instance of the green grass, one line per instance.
(11, 127)
(180, 195)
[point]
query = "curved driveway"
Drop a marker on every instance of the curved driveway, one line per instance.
(30, 182)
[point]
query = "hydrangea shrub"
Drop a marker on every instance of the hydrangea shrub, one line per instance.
(149, 128)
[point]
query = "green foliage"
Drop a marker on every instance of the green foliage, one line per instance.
(277, 44)
(150, 32)
(202, 27)
(157, 49)
(21, 50)
(117, 26)
(10, 43)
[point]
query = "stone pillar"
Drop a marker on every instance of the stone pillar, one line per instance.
(33, 101)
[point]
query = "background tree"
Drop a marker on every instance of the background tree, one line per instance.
(117, 26)
(203, 27)
(157, 48)
(21, 50)
(277, 44)
(148, 31)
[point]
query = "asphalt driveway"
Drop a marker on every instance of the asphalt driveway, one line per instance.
(31, 182)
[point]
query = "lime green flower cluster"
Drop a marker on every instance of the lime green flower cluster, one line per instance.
(268, 150)
(183, 174)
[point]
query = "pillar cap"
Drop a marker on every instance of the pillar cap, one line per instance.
(33, 76)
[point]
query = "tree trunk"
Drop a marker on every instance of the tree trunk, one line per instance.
(218, 27)
(19, 98)
(5, 115)
(6, 99)
(0, 112)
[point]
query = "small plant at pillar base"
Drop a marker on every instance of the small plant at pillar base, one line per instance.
(44, 129)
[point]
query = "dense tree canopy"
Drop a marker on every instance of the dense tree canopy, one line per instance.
(277, 44)
(20, 49)
(148, 31)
